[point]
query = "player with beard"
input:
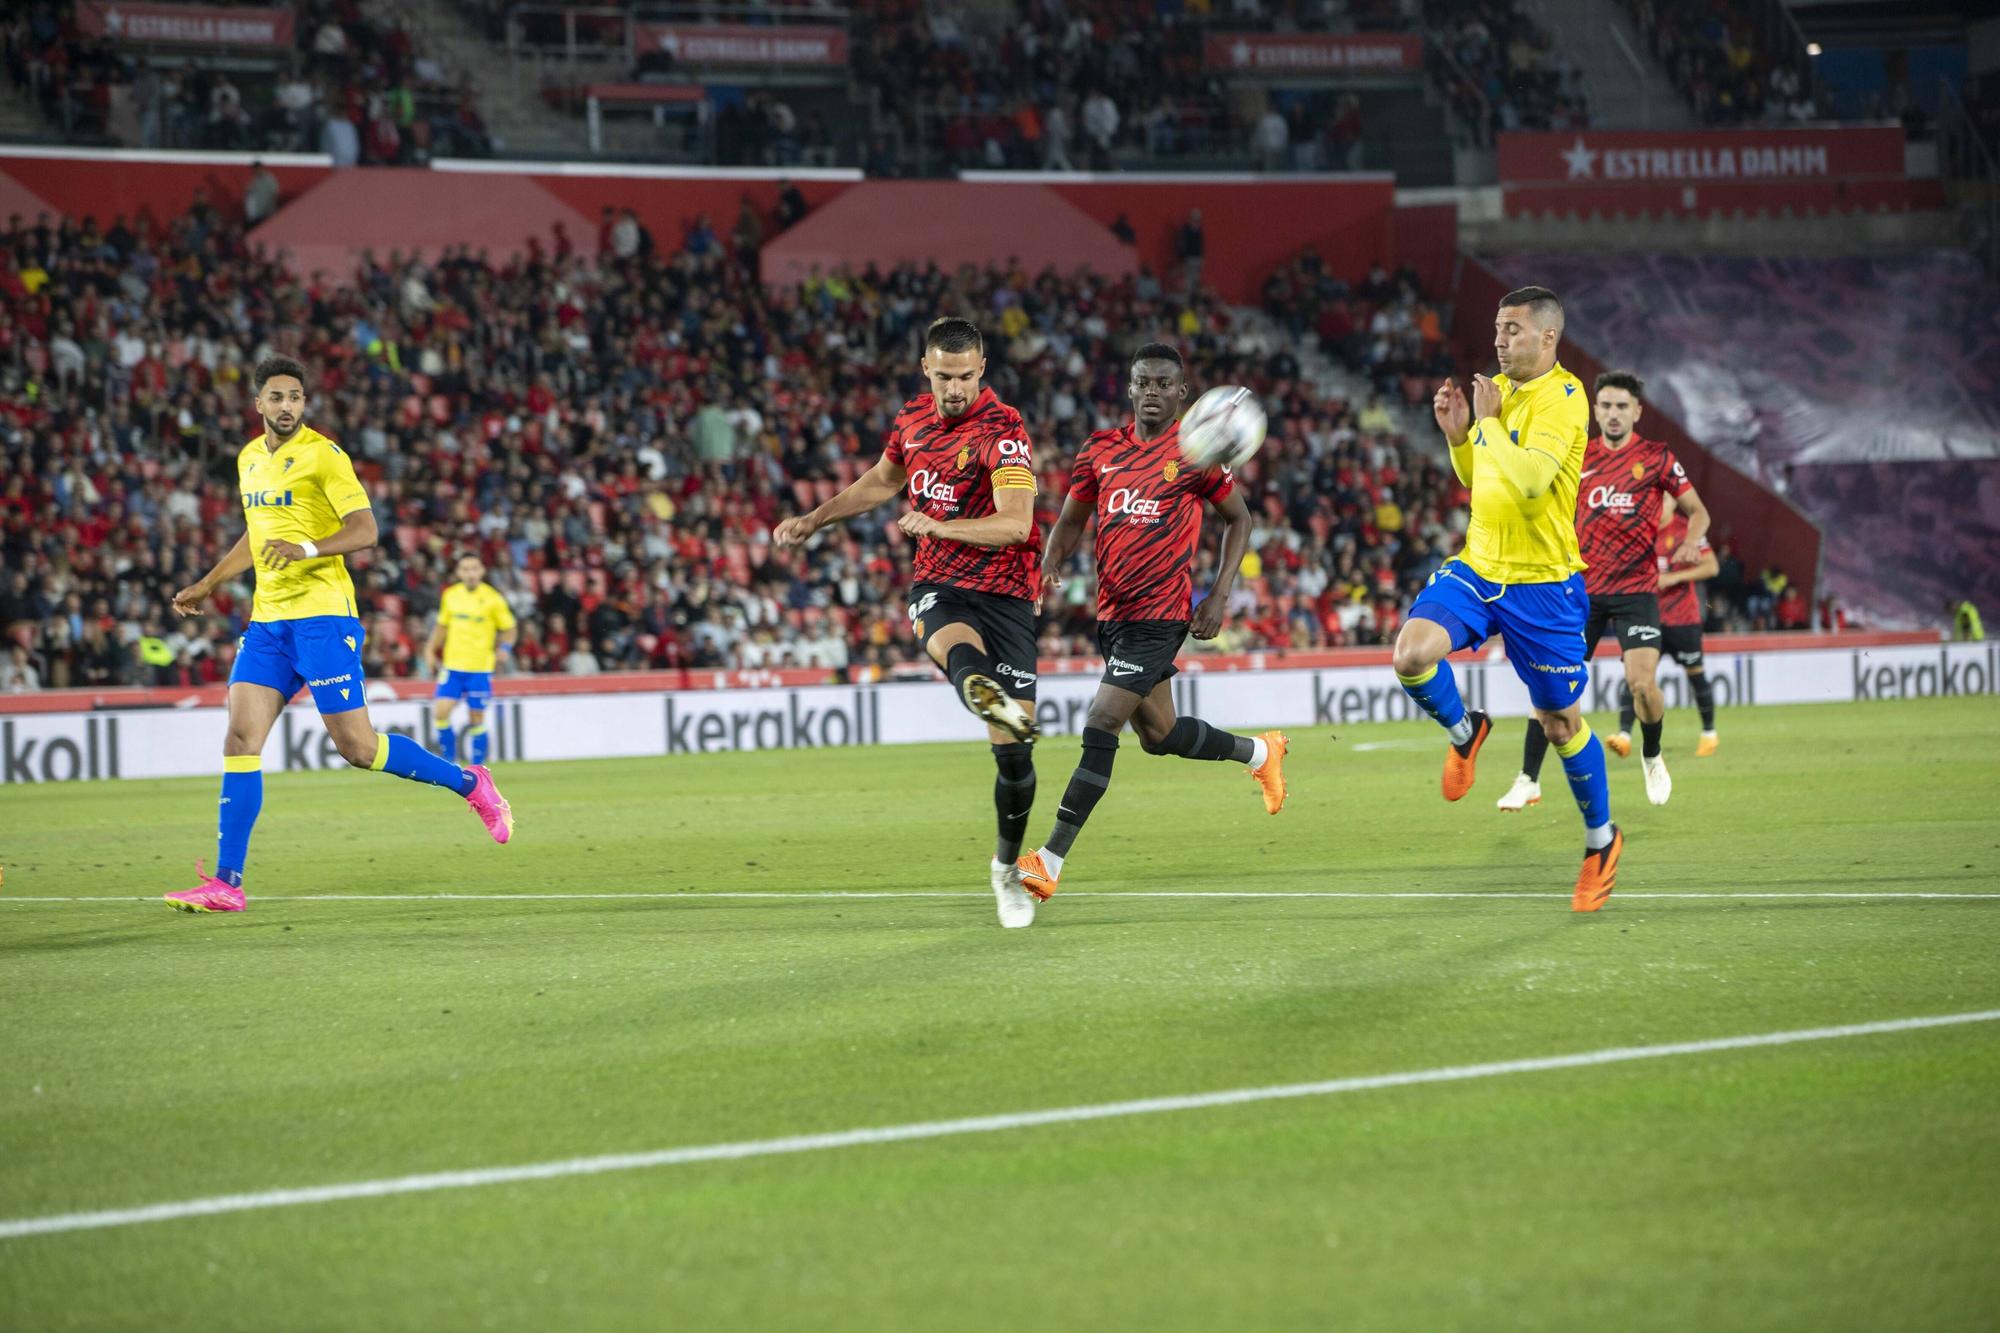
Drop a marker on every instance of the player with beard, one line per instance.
(1147, 500)
(1627, 483)
(968, 464)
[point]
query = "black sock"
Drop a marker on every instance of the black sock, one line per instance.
(1649, 732)
(964, 660)
(1627, 713)
(1192, 738)
(1704, 697)
(1086, 785)
(1013, 797)
(1534, 749)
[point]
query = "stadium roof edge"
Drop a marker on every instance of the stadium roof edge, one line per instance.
(641, 171)
(1168, 177)
(61, 152)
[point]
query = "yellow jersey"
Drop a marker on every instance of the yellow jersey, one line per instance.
(1514, 538)
(299, 493)
(473, 619)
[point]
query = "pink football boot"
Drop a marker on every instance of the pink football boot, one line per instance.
(491, 807)
(211, 895)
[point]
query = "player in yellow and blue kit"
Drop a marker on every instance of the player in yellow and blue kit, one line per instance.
(474, 626)
(303, 509)
(1519, 447)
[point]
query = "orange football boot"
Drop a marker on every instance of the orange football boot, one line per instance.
(1035, 876)
(1599, 873)
(1270, 774)
(1620, 745)
(1707, 745)
(1460, 761)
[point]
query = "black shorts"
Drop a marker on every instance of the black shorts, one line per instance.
(1139, 654)
(1006, 626)
(1683, 644)
(1635, 615)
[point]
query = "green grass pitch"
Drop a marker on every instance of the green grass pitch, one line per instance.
(151, 1058)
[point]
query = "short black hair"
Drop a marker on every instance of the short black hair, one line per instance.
(1619, 379)
(1543, 304)
(953, 334)
(1159, 352)
(273, 366)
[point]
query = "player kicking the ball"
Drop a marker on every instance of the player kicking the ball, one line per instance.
(1147, 500)
(303, 510)
(967, 461)
(1519, 446)
(1627, 483)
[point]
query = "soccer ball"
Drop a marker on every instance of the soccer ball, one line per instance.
(1224, 428)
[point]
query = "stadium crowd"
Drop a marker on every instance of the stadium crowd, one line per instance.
(1075, 86)
(1717, 56)
(616, 435)
(359, 86)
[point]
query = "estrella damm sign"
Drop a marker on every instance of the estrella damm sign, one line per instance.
(265, 499)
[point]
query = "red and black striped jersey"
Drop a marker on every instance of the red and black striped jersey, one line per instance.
(1618, 497)
(1680, 604)
(955, 466)
(1148, 501)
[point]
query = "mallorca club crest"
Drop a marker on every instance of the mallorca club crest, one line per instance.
(1638, 472)
(1172, 469)
(964, 456)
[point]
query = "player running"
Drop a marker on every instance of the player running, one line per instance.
(1148, 506)
(303, 510)
(474, 626)
(1627, 482)
(1680, 629)
(969, 465)
(1519, 447)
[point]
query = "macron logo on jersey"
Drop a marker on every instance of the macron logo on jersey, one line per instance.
(266, 499)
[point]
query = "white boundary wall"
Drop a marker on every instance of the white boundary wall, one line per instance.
(153, 743)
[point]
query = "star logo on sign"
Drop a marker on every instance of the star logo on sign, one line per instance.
(670, 42)
(1239, 54)
(1580, 159)
(114, 22)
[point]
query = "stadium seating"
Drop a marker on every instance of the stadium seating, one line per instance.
(358, 85)
(620, 470)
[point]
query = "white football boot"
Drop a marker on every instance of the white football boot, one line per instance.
(1658, 785)
(1017, 905)
(1524, 793)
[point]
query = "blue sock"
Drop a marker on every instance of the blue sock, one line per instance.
(398, 754)
(1583, 763)
(242, 798)
(479, 740)
(447, 744)
(1436, 692)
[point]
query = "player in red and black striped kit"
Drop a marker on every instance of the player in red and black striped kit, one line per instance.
(1147, 501)
(1625, 484)
(1680, 625)
(968, 464)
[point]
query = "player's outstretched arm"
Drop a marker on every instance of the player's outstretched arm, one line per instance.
(188, 601)
(1690, 504)
(1707, 569)
(1207, 621)
(871, 488)
(357, 532)
(434, 645)
(1010, 523)
(1454, 418)
(1064, 537)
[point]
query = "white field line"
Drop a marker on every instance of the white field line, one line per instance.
(937, 1129)
(840, 894)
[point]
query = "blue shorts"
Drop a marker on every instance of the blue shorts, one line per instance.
(1542, 623)
(475, 687)
(322, 653)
